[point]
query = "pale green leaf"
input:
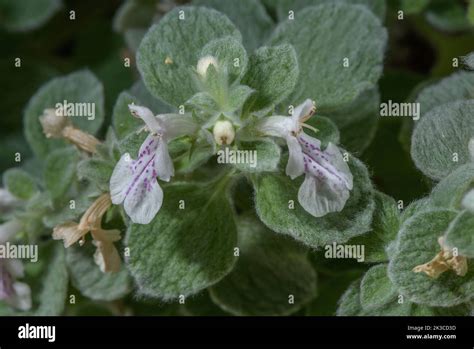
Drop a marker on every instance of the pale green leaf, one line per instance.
(440, 139)
(360, 39)
(183, 251)
(417, 245)
(270, 272)
(87, 277)
(79, 87)
(181, 41)
(275, 194)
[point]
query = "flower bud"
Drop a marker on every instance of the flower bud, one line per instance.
(224, 132)
(204, 63)
(53, 123)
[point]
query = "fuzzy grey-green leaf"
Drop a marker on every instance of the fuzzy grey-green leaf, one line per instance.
(264, 156)
(248, 15)
(376, 289)
(275, 195)
(456, 87)
(78, 87)
(87, 277)
(171, 48)
(334, 75)
(440, 139)
(385, 225)
(272, 73)
(55, 285)
(183, 251)
(460, 234)
(19, 183)
(273, 275)
(283, 7)
(230, 54)
(60, 171)
(450, 191)
(18, 16)
(417, 245)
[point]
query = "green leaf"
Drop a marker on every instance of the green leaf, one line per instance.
(448, 16)
(269, 271)
(267, 156)
(18, 16)
(122, 120)
(378, 7)
(327, 130)
(97, 171)
(440, 139)
(385, 225)
(140, 91)
(249, 16)
(202, 305)
(55, 285)
(376, 289)
(468, 60)
(414, 6)
(134, 14)
(450, 191)
(79, 87)
(456, 87)
(180, 40)
(361, 39)
(468, 201)
(227, 50)
(19, 183)
(470, 12)
(195, 155)
(275, 194)
(460, 234)
(350, 305)
(66, 213)
(133, 38)
(415, 207)
(358, 121)
(418, 244)
(183, 251)
(238, 95)
(87, 277)
(272, 73)
(60, 171)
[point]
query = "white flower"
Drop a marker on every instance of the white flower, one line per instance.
(328, 179)
(15, 293)
(133, 182)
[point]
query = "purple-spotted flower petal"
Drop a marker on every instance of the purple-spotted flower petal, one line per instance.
(134, 182)
(328, 179)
